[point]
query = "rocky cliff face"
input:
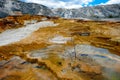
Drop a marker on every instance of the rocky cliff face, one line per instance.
(103, 11)
(16, 7)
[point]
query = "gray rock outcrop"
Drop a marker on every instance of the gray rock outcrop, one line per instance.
(13, 7)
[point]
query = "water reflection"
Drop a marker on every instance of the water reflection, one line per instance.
(109, 62)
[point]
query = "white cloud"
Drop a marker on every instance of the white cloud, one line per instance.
(113, 1)
(62, 4)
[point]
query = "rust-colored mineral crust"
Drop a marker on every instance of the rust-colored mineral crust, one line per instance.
(69, 50)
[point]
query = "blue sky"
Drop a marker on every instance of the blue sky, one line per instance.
(72, 3)
(96, 2)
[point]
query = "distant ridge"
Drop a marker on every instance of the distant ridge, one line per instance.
(101, 11)
(16, 7)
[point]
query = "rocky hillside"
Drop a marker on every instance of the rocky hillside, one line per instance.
(107, 11)
(16, 7)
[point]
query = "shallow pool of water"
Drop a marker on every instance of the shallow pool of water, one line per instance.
(88, 54)
(107, 60)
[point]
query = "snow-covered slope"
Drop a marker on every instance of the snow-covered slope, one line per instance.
(15, 7)
(107, 11)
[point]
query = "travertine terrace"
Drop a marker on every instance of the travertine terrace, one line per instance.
(59, 49)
